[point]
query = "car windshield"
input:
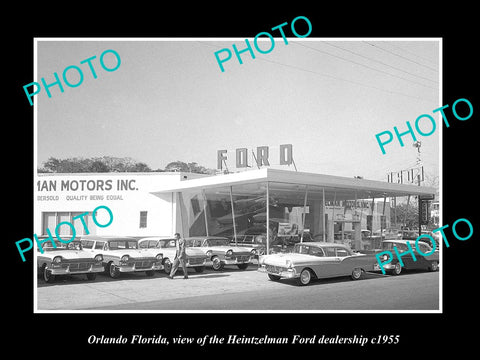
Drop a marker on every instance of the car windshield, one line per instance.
(424, 248)
(192, 243)
(401, 247)
(87, 244)
(392, 232)
(308, 250)
(167, 243)
(217, 242)
(122, 244)
(73, 245)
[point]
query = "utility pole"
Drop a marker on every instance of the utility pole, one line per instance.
(418, 144)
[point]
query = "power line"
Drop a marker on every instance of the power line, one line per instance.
(414, 54)
(400, 56)
(380, 62)
(347, 80)
(331, 76)
(366, 66)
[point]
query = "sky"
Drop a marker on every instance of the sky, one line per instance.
(169, 101)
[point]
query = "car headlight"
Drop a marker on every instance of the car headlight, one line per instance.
(159, 257)
(98, 258)
(254, 252)
(57, 259)
(289, 263)
(385, 257)
(125, 258)
(229, 253)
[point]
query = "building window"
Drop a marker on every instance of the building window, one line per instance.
(195, 205)
(52, 219)
(49, 222)
(143, 219)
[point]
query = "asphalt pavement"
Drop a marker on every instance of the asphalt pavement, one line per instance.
(239, 290)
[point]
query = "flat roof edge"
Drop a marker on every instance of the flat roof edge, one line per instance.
(294, 177)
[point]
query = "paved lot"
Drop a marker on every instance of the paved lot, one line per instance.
(235, 289)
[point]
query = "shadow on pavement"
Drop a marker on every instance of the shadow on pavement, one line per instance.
(101, 277)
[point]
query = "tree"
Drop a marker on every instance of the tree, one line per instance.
(114, 164)
(191, 167)
(406, 216)
(99, 165)
(177, 166)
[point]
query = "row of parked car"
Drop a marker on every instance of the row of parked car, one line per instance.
(318, 260)
(306, 261)
(115, 255)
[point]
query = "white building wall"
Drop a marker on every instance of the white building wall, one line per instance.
(125, 194)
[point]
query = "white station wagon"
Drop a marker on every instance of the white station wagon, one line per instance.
(220, 252)
(67, 259)
(196, 258)
(122, 254)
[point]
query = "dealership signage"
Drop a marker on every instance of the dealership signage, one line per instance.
(261, 157)
(84, 189)
(410, 176)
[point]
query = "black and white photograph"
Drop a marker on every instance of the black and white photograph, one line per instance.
(297, 180)
(280, 197)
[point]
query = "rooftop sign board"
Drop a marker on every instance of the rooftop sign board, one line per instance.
(261, 157)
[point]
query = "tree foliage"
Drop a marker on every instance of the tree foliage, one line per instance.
(107, 164)
(96, 164)
(192, 167)
(407, 216)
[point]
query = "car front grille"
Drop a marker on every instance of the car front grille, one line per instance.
(275, 269)
(196, 261)
(242, 258)
(79, 266)
(143, 264)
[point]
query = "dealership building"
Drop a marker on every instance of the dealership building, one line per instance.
(264, 202)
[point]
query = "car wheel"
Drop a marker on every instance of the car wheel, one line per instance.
(113, 270)
(47, 275)
(167, 266)
(357, 274)
(433, 266)
(150, 273)
(397, 269)
(305, 277)
(217, 263)
(199, 269)
(91, 276)
(273, 277)
(242, 266)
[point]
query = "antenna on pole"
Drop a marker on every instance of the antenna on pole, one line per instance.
(418, 145)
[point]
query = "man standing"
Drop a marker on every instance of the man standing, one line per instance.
(180, 257)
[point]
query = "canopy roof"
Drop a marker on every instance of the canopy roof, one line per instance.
(343, 188)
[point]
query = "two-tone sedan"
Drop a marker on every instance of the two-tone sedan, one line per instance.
(316, 260)
(196, 258)
(429, 262)
(220, 252)
(122, 254)
(67, 259)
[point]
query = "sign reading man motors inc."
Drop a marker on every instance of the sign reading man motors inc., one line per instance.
(245, 158)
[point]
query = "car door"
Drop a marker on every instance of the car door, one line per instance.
(424, 262)
(407, 259)
(328, 265)
(345, 261)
